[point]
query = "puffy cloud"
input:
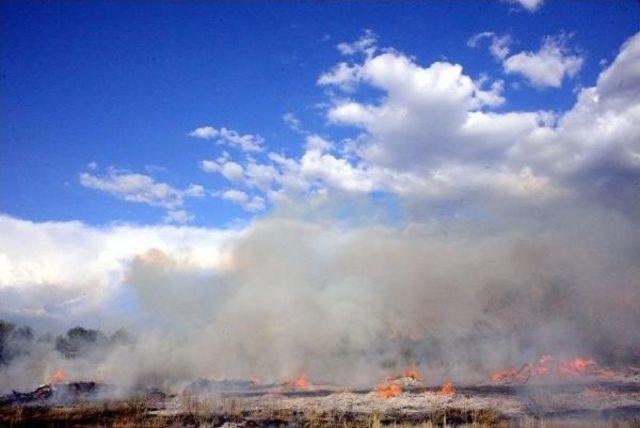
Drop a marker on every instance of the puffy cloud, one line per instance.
(261, 175)
(210, 166)
(178, 216)
(499, 47)
(342, 75)
(334, 172)
(619, 83)
(365, 44)
(530, 5)
(421, 119)
(547, 67)
(70, 269)
(432, 135)
(251, 204)
(256, 204)
(140, 188)
(205, 132)
(595, 146)
(236, 196)
(224, 136)
(292, 121)
(315, 142)
(232, 171)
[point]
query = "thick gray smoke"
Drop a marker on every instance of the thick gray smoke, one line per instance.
(353, 304)
(346, 305)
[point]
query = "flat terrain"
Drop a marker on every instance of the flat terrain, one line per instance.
(610, 403)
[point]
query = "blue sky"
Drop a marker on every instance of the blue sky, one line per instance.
(123, 84)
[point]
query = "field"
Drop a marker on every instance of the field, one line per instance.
(235, 403)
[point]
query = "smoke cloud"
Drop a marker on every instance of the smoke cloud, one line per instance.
(351, 304)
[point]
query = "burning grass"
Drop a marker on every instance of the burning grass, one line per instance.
(300, 382)
(583, 394)
(388, 390)
(447, 389)
(57, 376)
(551, 368)
(507, 406)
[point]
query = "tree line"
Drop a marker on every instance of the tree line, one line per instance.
(77, 342)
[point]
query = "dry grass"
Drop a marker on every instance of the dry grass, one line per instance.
(204, 412)
(198, 409)
(121, 414)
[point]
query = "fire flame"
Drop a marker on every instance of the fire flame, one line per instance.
(57, 376)
(577, 367)
(547, 366)
(300, 382)
(447, 389)
(410, 373)
(512, 375)
(388, 390)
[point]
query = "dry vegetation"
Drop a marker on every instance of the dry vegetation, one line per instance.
(199, 415)
(615, 405)
(206, 412)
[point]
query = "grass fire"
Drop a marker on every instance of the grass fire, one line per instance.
(547, 391)
(349, 214)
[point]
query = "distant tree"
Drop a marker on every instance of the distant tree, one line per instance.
(24, 333)
(81, 342)
(77, 342)
(6, 331)
(46, 338)
(14, 341)
(121, 337)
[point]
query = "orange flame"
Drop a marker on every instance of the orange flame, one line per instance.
(447, 389)
(411, 373)
(57, 376)
(300, 382)
(576, 367)
(543, 366)
(255, 380)
(388, 390)
(548, 365)
(512, 375)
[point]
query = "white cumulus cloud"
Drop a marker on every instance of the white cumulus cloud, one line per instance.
(500, 45)
(141, 188)
(229, 137)
(548, 66)
(530, 5)
(251, 204)
(435, 134)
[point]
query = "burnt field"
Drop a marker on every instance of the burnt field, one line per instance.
(549, 390)
(404, 401)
